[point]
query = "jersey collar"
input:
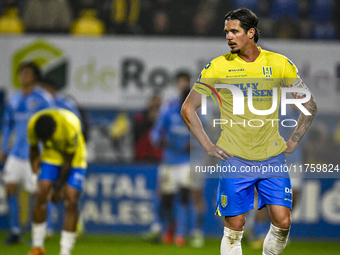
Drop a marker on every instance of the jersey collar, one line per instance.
(256, 60)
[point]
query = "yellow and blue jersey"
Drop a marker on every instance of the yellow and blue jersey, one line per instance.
(249, 136)
(67, 138)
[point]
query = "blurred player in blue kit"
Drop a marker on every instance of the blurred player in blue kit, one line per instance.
(61, 100)
(250, 145)
(20, 107)
(174, 176)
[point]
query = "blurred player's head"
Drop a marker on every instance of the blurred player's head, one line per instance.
(183, 84)
(45, 127)
(241, 26)
(153, 107)
(155, 102)
(183, 81)
(29, 74)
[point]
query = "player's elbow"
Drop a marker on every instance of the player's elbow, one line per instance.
(185, 111)
(312, 106)
(315, 105)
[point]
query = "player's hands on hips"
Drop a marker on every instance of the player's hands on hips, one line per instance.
(291, 146)
(218, 152)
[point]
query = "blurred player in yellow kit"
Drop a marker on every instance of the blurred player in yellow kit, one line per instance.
(63, 165)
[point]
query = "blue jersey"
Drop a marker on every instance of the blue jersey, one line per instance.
(67, 103)
(18, 111)
(171, 128)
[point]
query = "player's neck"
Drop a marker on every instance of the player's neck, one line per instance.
(250, 54)
(28, 89)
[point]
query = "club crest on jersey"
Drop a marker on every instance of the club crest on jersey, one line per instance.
(224, 200)
(267, 71)
(31, 104)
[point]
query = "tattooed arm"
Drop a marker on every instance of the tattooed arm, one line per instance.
(302, 126)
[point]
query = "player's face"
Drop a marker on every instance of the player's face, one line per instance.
(26, 76)
(183, 84)
(238, 39)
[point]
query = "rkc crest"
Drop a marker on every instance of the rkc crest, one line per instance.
(267, 71)
(224, 200)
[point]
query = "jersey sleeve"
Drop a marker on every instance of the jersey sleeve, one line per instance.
(44, 100)
(206, 80)
(7, 125)
(290, 73)
(292, 79)
(72, 139)
(67, 103)
(159, 127)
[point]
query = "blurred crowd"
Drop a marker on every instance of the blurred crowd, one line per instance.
(298, 19)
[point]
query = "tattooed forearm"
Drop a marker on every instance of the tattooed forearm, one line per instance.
(304, 121)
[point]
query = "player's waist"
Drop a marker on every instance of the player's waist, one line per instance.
(76, 163)
(252, 151)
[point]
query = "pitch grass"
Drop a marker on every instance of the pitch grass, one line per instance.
(123, 245)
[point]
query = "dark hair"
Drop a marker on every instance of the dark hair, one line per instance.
(247, 19)
(45, 127)
(183, 74)
(33, 67)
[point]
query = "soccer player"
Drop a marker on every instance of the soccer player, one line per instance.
(20, 107)
(63, 163)
(67, 103)
(174, 173)
(241, 145)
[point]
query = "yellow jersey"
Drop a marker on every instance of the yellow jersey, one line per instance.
(66, 139)
(247, 135)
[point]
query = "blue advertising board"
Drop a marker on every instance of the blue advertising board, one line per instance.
(121, 199)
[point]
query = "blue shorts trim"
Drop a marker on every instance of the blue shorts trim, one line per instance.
(236, 195)
(76, 178)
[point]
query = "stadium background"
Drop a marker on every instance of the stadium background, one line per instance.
(113, 75)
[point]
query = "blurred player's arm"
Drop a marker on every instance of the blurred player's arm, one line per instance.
(63, 175)
(35, 158)
(7, 125)
(65, 171)
(34, 154)
(303, 124)
(194, 124)
(68, 155)
(157, 134)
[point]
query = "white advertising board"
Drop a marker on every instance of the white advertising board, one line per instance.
(122, 72)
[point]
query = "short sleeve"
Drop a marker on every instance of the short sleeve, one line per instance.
(206, 80)
(72, 141)
(292, 79)
(290, 73)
